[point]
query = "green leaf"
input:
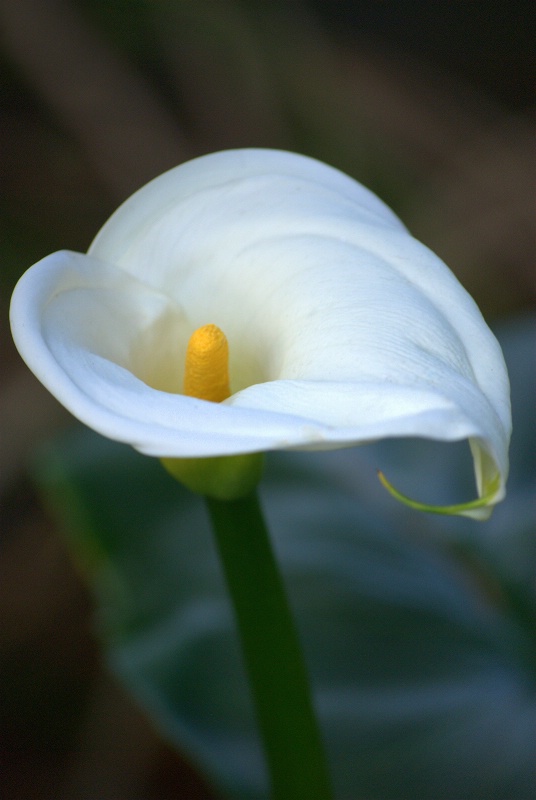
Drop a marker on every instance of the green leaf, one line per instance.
(423, 662)
(418, 677)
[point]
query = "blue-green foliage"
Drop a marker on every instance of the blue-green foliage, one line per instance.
(417, 629)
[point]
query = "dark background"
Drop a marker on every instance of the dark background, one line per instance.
(429, 104)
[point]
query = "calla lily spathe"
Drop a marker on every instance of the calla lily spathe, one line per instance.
(342, 328)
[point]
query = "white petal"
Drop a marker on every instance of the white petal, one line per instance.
(342, 327)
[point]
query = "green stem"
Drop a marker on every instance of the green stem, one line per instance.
(272, 653)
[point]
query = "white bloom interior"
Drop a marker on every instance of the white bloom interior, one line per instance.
(342, 327)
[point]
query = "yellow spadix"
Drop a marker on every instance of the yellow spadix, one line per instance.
(206, 372)
(206, 376)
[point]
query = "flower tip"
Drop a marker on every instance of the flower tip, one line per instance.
(479, 509)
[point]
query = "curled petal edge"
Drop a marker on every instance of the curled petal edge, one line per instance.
(479, 509)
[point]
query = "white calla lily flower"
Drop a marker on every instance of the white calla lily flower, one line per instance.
(342, 328)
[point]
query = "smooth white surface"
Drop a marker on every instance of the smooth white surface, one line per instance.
(342, 327)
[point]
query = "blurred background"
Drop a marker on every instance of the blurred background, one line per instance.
(430, 105)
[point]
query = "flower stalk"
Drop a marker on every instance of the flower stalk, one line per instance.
(272, 653)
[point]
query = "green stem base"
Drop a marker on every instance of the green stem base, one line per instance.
(272, 653)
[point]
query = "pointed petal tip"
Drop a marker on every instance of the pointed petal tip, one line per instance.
(479, 509)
